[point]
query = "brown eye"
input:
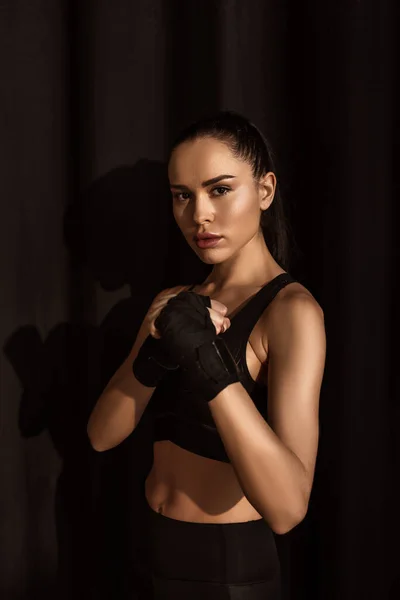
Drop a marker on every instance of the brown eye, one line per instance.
(222, 190)
(178, 196)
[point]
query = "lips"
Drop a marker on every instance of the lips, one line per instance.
(206, 236)
(210, 242)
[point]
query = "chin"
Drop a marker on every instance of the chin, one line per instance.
(209, 261)
(209, 258)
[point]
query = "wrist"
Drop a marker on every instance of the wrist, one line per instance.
(152, 362)
(210, 369)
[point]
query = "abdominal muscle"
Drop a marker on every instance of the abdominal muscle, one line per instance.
(187, 487)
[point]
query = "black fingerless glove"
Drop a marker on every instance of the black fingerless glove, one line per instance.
(152, 362)
(189, 334)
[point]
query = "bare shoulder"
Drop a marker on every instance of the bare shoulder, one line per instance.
(293, 297)
(295, 293)
(293, 304)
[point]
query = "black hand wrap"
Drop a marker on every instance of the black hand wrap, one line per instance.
(189, 335)
(152, 362)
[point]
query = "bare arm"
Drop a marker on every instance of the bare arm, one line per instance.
(122, 403)
(275, 460)
(124, 399)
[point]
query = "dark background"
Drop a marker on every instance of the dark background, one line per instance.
(92, 93)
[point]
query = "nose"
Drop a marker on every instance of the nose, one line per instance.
(203, 208)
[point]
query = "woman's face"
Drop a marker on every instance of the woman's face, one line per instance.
(228, 206)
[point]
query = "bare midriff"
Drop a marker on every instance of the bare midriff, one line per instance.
(187, 487)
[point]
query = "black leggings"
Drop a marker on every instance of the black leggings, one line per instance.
(212, 561)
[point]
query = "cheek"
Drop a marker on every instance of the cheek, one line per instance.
(182, 219)
(179, 215)
(240, 207)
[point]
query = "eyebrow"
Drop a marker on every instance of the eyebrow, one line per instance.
(178, 186)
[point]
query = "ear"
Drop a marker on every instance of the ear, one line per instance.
(267, 186)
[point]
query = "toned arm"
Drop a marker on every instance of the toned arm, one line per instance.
(122, 403)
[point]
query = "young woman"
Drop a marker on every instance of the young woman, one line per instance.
(233, 367)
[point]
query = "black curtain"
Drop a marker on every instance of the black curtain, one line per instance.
(92, 93)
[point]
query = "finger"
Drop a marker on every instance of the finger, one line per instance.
(162, 300)
(152, 328)
(217, 319)
(158, 304)
(217, 312)
(157, 307)
(218, 306)
(225, 325)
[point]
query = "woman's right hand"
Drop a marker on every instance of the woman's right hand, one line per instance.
(217, 311)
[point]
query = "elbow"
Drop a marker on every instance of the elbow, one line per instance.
(95, 440)
(97, 447)
(101, 439)
(283, 526)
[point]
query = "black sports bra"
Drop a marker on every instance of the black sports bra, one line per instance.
(185, 419)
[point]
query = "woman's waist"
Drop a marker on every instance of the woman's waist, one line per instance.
(193, 488)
